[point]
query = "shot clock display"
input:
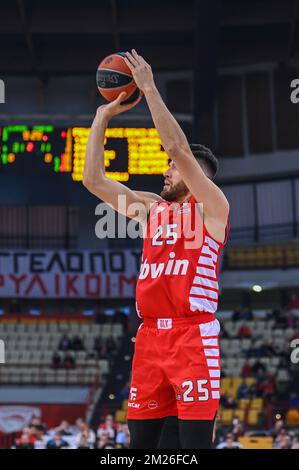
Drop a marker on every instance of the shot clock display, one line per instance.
(128, 151)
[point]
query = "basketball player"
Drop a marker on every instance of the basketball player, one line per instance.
(176, 365)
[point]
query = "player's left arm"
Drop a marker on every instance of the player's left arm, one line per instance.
(175, 143)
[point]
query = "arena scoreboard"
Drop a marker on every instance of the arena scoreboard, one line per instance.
(128, 151)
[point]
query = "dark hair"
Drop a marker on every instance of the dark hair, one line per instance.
(205, 155)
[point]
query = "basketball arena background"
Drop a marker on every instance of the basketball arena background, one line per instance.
(67, 310)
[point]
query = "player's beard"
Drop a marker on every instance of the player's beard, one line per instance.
(175, 192)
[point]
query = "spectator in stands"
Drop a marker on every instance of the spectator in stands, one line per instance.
(227, 401)
(57, 442)
(69, 362)
(238, 428)
(65, 343)
(77, 344)
(99, 347)
(123, 436)
(244, 331)
(247, 314)
(219, 431)
(31, 431)
(38, 425)
(88, 433)
(275, 314)
(76, 428)
(26, 441)
(259, 385)
(242, 314)
(83, 443)
(105, 441)
(64, 429)
(283, 440)
(236, 314)
(108, 426)
(39, 435)
(278, 426)
(281, 319)
(291, 319)
(243, 390)
(246, 370)
(252, 390)
(295, 444)
(266, 388)
(293, 303)
(56, 360)
(229, 443)
(258, 369)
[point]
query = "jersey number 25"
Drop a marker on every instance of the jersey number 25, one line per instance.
(170, 237)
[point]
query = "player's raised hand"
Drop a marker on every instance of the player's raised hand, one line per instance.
(116, 107)
(141, 70)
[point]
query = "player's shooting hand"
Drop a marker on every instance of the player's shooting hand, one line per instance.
(141, 70)
(116, 107)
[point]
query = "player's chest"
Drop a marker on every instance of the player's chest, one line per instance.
(173, 228)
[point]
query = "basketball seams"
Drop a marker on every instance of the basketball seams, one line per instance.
(115, 87)
(116, 71)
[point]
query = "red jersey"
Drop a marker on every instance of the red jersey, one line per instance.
(180, 262)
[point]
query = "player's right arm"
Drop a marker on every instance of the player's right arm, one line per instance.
(133, 204)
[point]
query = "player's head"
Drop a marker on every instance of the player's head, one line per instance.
(207, 160)
(175, 188)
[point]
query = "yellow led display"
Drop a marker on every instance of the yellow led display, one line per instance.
(128, 150)
(118, 175)
(145, 154)
(33, 135)
(67, 156)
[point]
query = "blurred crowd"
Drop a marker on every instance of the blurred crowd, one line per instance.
(103, 349)
(284, 317)
(282, 437)
(112, 435)
(108, 435)
(114, 312)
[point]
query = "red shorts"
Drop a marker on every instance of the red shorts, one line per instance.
(176, 370)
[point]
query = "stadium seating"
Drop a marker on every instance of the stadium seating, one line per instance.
(29, 349)
(256, 442)
(233, 357)
(293, 417)
(263, 256)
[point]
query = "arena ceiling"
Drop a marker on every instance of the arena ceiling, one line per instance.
(55, 37)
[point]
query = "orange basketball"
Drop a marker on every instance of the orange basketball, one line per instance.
(114, 76)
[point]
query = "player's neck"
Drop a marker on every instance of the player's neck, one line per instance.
(183, 198)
